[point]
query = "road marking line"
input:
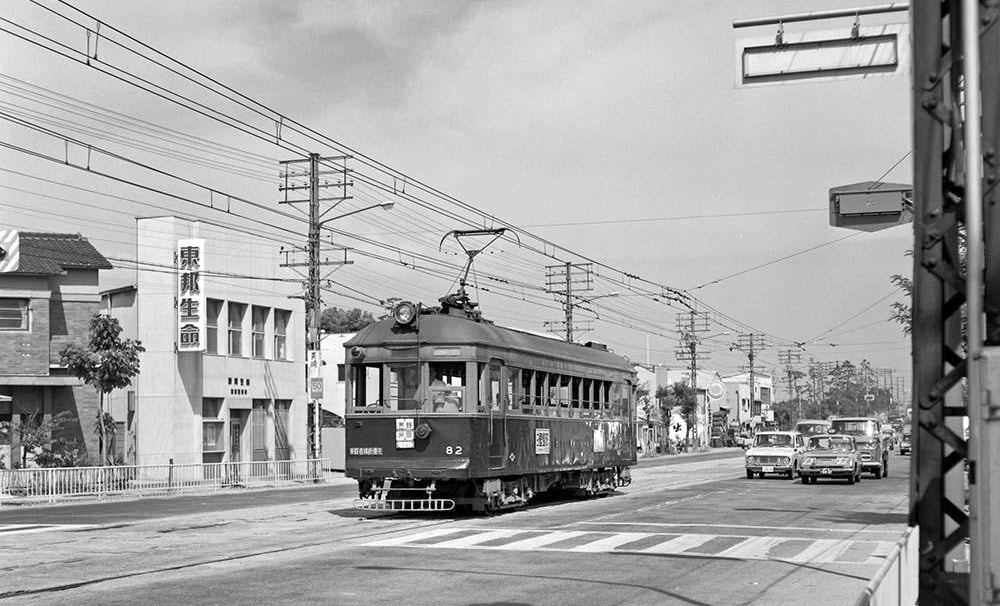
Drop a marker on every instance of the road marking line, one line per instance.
(754, 548)
(816, 551)
(402, 540)
(474, 540)
(7, 529)
(669, 525)
(681, 543)
(611, 542)
(542, 541)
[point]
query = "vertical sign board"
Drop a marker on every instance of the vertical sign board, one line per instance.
(404, 433)
(190, 295)
(315, 362)
(543, 441)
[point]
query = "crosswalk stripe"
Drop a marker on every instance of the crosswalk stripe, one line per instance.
(780, 549)
(681, 543)
(751, 547)
(610, 543)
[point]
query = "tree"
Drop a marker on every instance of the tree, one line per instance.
(682, 396)
(35, 434)
(336, 320)
(108, 362)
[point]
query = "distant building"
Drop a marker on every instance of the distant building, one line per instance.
(750, 412)
(655, 430)
(223, 375)
(48, 295)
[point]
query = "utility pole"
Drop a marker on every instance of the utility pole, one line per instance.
(751, 344)
(291, 182)
(690, 325)
(566, 280)
(790, 357)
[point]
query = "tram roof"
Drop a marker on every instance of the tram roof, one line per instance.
(451, 329)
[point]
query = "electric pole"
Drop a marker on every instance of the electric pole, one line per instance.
(690, 325)
(566, 280)
(291, 182)
(750, 344)
(790, 357)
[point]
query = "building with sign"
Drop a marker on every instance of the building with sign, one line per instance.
(750, 413)
(222, 378)
(48, 295)
(657, 431)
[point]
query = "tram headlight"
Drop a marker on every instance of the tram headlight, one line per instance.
(404, 313)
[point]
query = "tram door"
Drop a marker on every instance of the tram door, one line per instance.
(495, 399)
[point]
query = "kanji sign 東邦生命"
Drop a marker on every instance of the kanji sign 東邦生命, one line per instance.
(190, 295)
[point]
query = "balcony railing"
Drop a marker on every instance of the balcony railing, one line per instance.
(52, 484)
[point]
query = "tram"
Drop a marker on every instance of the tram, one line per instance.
(446, 409)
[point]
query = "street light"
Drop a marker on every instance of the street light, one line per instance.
(382, 205)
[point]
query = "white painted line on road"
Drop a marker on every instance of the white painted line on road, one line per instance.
(476, 539)
(669, 525)
(609, 543)
(542, 541)
(818, 551)
(402, 540)
(681, 543)
(9, 529)
(754, 548)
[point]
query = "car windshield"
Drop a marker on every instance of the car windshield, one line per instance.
(772, 439)
(811, 429)
(854, 428)
(830, 443)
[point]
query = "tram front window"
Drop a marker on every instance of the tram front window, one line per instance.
(447, 386)
(404, 383)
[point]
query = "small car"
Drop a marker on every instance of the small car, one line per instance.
(831, 456)
(776, 452)
(905, 444)
(812, 427)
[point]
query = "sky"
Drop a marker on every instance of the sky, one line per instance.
(610, 133)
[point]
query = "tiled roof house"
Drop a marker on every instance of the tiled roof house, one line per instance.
(48, 295)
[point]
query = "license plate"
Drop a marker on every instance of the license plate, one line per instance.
(826, 472)
(767, 469)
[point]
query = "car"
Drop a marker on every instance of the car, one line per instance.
(905, 443)
(811, 427)
(867, 433)
(777, 452)
(831, 456)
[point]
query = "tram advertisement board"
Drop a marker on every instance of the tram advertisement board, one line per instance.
(542, 440)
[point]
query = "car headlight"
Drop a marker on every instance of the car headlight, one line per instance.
(783, 461)
(751, 460)
(808, 461)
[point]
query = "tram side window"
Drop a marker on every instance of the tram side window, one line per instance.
(616, 399)
(603, 390)
(447, 386)
(367, 382)
(404, 383)
(586, 395)
(542, 393)
(489, 386)
(528, 378)
(574, 394)
(514, 389)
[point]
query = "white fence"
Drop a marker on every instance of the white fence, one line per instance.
(895, 583)
(49, 485)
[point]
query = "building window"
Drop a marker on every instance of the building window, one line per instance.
(14, 314)
(258, 430)
(212, 426)
(282, 449)
(281, 317)
(236, 313)
(259, 321)
(213, 309)
(341, 372)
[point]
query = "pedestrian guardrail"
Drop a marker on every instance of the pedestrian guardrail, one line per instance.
(895, 583)
(52, 484)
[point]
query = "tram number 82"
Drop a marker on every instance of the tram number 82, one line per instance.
(453, 450)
